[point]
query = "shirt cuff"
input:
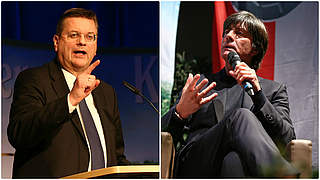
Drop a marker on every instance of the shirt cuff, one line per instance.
(259, 100)
(178, 115)
(177, 118)
(71, 107)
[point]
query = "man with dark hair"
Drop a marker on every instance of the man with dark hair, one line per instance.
(63, 120)
(211, 121)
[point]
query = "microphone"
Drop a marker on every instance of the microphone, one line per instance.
(234, 59)
(137, 92)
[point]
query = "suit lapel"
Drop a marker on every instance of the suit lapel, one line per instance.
(228, 94)
(58, 82)
(100, 105)
(102, 108)
(59, 85)
(219, 103)
(247, 101)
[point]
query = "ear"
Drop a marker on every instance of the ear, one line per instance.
(55, 42)
(95, 52)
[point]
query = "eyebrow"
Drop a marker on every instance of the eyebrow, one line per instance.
(82, 33)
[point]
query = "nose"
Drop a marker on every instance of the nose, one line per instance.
(82, 40)
(230, 36)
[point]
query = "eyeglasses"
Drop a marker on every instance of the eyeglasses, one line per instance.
(74, 35)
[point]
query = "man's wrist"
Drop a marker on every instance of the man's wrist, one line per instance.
(70, 106)
(179, 112)
(258, 100)
(74, 99)
(178, 115)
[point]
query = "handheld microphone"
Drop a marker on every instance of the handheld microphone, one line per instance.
(137, 92)
(234, 59)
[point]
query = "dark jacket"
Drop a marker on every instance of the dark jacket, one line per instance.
(271, 108)
(49, 141)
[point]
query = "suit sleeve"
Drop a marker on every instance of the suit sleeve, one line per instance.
(32, 118)
(274, 114)
(174, 125)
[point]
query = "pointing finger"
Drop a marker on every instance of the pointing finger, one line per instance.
(92, 67)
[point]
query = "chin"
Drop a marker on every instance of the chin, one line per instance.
(81, 64)
(225, 55)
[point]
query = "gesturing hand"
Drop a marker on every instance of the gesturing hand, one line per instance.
(243, 72)
(84, 84)
(191, 98)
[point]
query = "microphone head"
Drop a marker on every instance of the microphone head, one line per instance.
(233, 59)
(131, 87)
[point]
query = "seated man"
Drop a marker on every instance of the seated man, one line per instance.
(221, 117)
(63, 120)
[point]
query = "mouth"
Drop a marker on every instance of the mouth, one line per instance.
(80, 52)
(228, 47)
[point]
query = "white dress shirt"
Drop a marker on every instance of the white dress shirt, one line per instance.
(70, 78)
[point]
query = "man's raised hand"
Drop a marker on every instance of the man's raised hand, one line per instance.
(84, 84)
(192, 99)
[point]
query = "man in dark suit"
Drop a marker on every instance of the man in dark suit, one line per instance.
(221, 117)
(63, 120)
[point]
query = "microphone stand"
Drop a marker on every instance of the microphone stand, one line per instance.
(137, 92)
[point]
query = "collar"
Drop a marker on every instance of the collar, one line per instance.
(70, 78)
(226, 79)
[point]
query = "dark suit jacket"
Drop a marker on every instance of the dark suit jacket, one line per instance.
(49, 141)
(273, 113)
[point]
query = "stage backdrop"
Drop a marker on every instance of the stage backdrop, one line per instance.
(292, 57)
(128, 49)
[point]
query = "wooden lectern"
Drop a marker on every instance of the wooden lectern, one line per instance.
(134, 171)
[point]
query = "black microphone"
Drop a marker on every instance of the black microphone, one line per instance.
(234, 59)
(137, 92)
